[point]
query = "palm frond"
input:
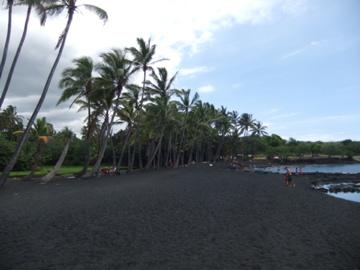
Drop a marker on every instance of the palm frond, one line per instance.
(98, 11)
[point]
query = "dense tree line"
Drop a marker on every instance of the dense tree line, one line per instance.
(199, 144)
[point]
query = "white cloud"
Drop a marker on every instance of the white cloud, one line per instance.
(195, 70)
(316, 128)
(282, 116)
(206, 88)
(295, 7)
(310, 45)
(294, 52)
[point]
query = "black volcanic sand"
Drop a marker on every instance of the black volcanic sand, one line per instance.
(191, 218)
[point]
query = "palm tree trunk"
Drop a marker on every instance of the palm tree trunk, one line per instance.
(149, 150)
(174, 149)
(180, 150)
(190, 154)
(219, 148)
(128, 155)
(140, 156)
(96, 169)
(13, 64)
(113, 151)
(151, 159)
(168, 153)
(7, 40)
(132, 159)
(143, 90)
(209, 152)
(35, 162)
(197, 155)
(123, 149)
(25, 135)
(88, 147)
(159, 158)
(103, 143)
(58, 164)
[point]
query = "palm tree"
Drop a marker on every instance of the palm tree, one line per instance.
(10, 121)
(222, 125)
(246, 123)
(67, 135)
(115, 71)
(41, 131)
(234, 120)
(9, 4)
(258, 129)
(185, 105)
(78, 82)
(42, 14)
(143, 60)
(53, 8)
(235, 132)
(129, 114)
(161, 88)
(202, 123)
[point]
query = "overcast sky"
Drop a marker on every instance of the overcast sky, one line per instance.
(293, 64)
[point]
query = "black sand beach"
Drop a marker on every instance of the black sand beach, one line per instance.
(191, 218)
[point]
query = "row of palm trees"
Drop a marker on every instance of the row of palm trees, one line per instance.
(44, 8)
(161, 125)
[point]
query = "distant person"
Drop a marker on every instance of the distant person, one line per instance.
(288, 178)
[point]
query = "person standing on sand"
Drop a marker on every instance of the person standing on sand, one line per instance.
(288, 178)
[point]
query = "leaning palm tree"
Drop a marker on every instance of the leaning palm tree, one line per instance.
(40, 10)
(9, 4)
(128, 113)
(115, 71)
(66, 135)
(77, 83)
(55, 7)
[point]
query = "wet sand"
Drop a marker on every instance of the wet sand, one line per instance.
(190, 218)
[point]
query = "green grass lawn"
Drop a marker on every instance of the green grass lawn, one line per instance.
(64, 170)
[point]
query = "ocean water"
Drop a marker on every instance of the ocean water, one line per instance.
(354, 197)
(313, 168)
(322, 168)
